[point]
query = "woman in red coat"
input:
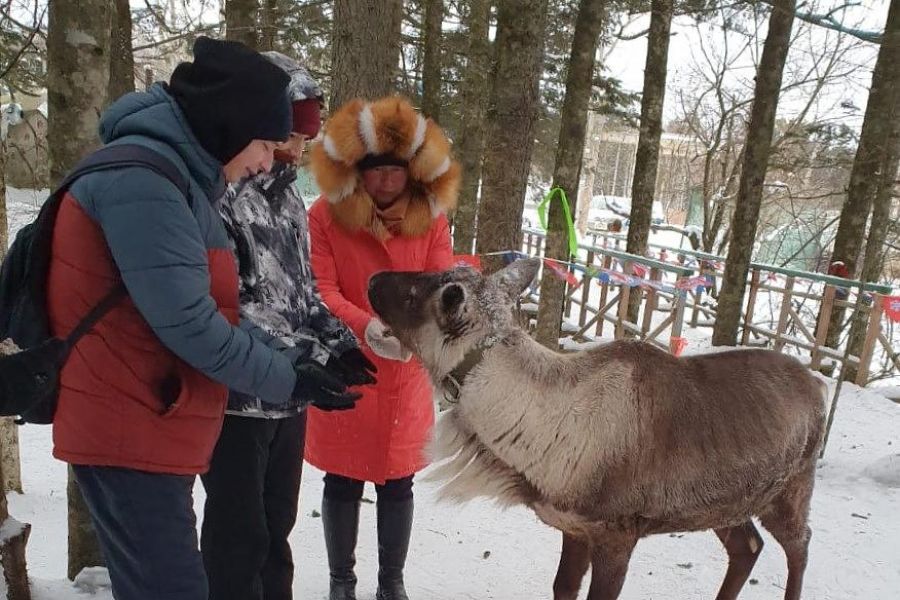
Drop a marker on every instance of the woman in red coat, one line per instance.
(387, 179)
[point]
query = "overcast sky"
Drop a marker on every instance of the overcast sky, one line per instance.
(627, 59)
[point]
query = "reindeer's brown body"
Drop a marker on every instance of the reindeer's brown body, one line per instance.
(624, 441)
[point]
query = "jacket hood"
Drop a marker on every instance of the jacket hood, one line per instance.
(387, 126)
(156, 115)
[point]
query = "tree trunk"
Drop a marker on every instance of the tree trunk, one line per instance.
(431, 63)
(643, 187)
(12, 466)
(365, 49)
(121, 57)
(873, 262)
(269, 25)
(84, 549)
(591, 164)
(753, 173)
(9, 432)
(868, 165)
(470, 149)
(13, 540)
(510, 125)
(567, 169)
(242, 22)
(148, 78)
(873, 145)
(15, 534)
(78, 79)
(4, 223)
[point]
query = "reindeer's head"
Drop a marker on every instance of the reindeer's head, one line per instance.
(441, 316)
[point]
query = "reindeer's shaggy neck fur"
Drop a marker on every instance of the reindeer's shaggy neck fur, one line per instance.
(532, 420)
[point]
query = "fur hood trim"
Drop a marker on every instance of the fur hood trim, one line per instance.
(387, 126)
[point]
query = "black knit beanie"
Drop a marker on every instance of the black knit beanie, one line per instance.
(231, 95)
(373, 161)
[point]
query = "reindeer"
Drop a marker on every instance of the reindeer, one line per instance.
(615, 443)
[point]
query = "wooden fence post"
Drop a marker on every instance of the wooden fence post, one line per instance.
(822, 327)
(650, 302)
(784, 314)
(751, 305)
(865, 357)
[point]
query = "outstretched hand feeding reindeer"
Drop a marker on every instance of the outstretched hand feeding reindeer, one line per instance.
(615, 443)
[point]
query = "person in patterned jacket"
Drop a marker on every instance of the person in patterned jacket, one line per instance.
(253, 483)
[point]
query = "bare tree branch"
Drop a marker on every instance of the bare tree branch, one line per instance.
(28, 43)
(631, 36)
(160, 19)
(829, 22)
(7, 14)
(180, 36)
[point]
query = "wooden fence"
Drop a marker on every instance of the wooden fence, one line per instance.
(800, 302)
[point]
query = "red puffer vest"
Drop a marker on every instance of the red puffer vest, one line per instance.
(125, 399)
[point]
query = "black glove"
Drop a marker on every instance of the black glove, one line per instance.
(316, 386)
(352, 367)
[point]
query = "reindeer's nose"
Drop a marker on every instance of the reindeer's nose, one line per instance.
(376, 290)
(374, 279)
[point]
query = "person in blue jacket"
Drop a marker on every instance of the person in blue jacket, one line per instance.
(143, 394)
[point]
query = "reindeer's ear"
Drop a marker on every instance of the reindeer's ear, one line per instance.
(517, 276)
(452, 297)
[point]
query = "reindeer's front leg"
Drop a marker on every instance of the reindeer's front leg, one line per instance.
(573, 564)
(611, 551)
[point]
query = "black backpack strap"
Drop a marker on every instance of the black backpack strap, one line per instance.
(127, 155)
(96, 313)
(116, 157)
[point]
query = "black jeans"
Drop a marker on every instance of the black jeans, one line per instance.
(345, 489)
(147, 531)
(252, 491)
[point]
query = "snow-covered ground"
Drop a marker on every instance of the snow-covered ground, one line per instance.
(22, 207)
(479, 552)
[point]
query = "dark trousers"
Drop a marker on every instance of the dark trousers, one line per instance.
(252, 490)
(345, 489)
(147, 530)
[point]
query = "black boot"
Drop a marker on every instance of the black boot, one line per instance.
(341, 521)
(394, 528)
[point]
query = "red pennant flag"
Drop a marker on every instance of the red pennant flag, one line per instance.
(677, 345)
(472, 260)
(562, 273)
(892, 308)
(639, 270)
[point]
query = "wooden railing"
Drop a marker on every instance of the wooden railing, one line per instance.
(593, 303)
(800, 302)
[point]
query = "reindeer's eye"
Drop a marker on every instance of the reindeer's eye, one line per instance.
(452, 296)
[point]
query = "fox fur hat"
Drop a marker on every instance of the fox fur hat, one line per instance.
(389, 126)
